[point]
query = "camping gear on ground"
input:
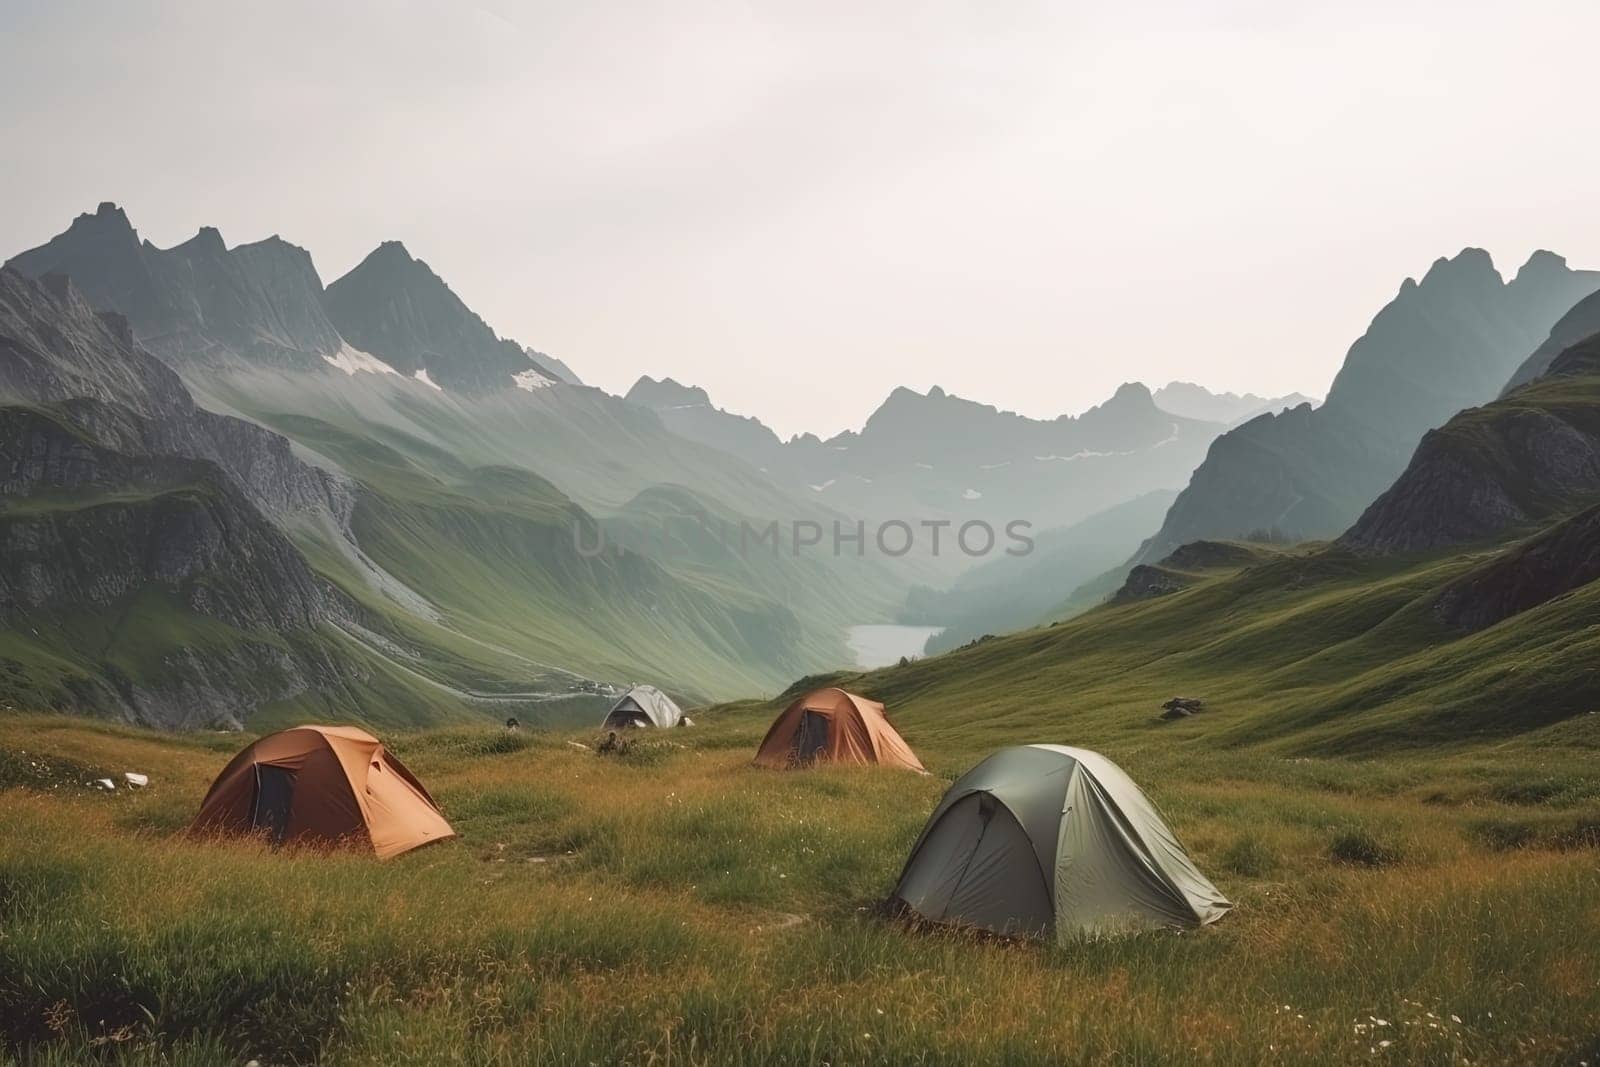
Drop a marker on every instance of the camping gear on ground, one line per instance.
(644, 705)
(1044, 839)
(323, 785)
(832, 726)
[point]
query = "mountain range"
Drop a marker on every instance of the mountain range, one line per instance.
(402, 481)
(937, 457)
(231, 494)
(1197, 402)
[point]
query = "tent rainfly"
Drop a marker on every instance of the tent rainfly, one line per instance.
(644, 705)
(1044, 839)
(832, 726)
(323, 785)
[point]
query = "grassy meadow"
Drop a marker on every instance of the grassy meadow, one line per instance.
(1406, 816)
(674, 905)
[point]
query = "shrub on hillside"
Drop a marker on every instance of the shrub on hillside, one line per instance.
(1501, 835)
(1360, 848)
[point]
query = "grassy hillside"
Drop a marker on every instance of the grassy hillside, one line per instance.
(1406, 814)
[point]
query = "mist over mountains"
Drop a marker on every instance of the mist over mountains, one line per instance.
(939, 456)
(458, 525)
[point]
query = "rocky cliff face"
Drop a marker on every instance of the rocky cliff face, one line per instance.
(1525, 458)
(398, 309)
(85, 526)
(55, 349)
(154, 589)
(140, 573)
(1443, 344)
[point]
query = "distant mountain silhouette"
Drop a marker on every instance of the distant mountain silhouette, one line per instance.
(203, 304)
(688, 412)
(1197, 402)
(1441, 345)
(935, 455)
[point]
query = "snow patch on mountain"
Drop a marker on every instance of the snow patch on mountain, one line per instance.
(531, 380)
(422, 376)
(351, 359)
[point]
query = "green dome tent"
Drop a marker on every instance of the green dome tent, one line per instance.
(1044, 839)
(644, 705)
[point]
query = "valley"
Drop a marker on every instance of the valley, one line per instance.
(1377, 741)
(1405, 813)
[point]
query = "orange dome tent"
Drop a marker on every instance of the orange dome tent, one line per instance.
(323, 785)
(832, 726)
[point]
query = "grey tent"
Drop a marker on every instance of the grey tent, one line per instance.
(644, 705)
(1044, 839)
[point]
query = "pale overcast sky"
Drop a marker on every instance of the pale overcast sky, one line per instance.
(802, 205)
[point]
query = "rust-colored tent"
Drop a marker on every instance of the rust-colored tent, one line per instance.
(323, 785)
(830, 725)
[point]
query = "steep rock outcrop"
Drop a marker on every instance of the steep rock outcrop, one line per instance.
(1530, 456)
(56, 349)
(156, 591)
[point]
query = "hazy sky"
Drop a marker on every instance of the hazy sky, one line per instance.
(801, 205)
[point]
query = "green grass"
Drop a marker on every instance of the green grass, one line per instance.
(686, 907)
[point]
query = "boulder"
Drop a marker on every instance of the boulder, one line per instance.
(1182, 707)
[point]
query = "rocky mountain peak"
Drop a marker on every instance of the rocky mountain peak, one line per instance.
(108, 217)
(395, 307)
(1133, 393)
(1469, 263)
(208, 240)
(666, 393)
(1540, 266)
(389, 254)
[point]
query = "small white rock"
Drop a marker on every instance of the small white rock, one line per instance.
(105, 783)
